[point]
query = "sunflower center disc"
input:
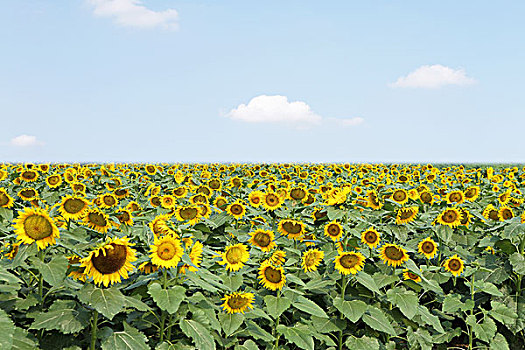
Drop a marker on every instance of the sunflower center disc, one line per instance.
(454, 265)
(29, 175)
(412, 276)
(399, 196)
(53, 180)
(37, 227)
(297, 194)
(333, 230)
(188, 213)
(493, 215)
(271, 199)
(166, 251)
(272, 275)
(348, 261)
(393, 253)
(506, 214)
(74, 205)
(234, 255)
(113, 260)
(262, 239)
(450, 216)
(3, 199)
(108, 200)
(237, 302)
(292, 227)
(370, 237)
(97, 219)
(236, 209)
(426, 197)
(406, 214)
(427, 247)
(179, 191)
(28, 193)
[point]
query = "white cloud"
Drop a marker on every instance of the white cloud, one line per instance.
(275, 109)
(434, 76)
(25, 141)
(132, 13)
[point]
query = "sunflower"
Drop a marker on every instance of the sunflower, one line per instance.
(236, 209)
(54, 180)
(271, 201)
(166, 251)
(204, 210)
(450, 217)
(454, 265)
(73, 207)
(491, 212)
(220, 202)
(110, 262)
(428, 248)
(159, 225)
(426, 197)
(124, 216)
(108, 200)
(237, 302)
(407, 275)
(293, 229)
(188, 213)
(28, 194)
(150, 169)
(195, 257)
(334, 230)
(198, 199)
(133, 206)
(97, 220)
(35, 225)
(215, 184)
(147, 267)
(505, 213)
(349, 262)
(312, 259)
(466, 217)
(6, 201)
(372, 200)
(400, 196)
(29, 175)
(308, 239)
(278, 258)
(393, 254)
(271, 277)
(235, 256)
(471, 193)
(76, 272)
(180, 192)
(371, 237)
(298, 193)
(455, 197)
(167, 201)
(255, 198)
(263, 239)
(406, 215)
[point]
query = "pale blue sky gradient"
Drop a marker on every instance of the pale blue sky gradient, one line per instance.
(91, 90)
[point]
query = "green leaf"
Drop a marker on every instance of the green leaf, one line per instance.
(503, 313)
(318, 283)
(518, 263)
(499, 343)
(230, 322)
(129, 339)
(276, 306)
(406, 301)
(353, 310)
(23, 340)
(136, 303)
(257, 332)
(363, 343)
(199, 333)
(430, 319)
(367, 281)
(309, 307)
(300, 336)
(24, 251)
(7, 330)
(324, 325)
(491, 289)
(248, 345)
(382, 279)
(452, 303)
(485, 330)
(232, 282)
(167, 299)
(54, 271)
(419, 339)
(444, 233)
(108, 302)
(29, 301)
(62, 316)
(334, 214)
(7, 214)
(377, 320)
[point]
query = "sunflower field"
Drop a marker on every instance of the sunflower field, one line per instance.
(261, 256)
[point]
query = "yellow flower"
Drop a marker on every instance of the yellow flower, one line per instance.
(400, 196)
(166, 252)
(393, 254)
(293, 229)
(271, 277)
(195, 257)
(97, 220)
(428, 248)
(35, 225)
(450, 217)
(263, 239)
(312, 259)
(334, 230)
(111, 262)
(371, 237)
(454, 265)
(271, 201)
(406, 215)
(238, 302)
(236, 209)
(235, 256)
(349, 262)
(6, 201)
(407, 275)
(73, 207)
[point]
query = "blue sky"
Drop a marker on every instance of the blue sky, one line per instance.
(251, 81)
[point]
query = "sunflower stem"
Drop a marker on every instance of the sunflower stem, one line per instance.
(162, 323)
(276, 324)
(470, 331)
(94, 329)
(343, 292)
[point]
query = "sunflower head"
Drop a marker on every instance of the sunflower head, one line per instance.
(393, 254)
(272, 201)
(236, 209)
(35, 225)
(166, 251)
(235, 256)
(349, 262)
(264, 239)
(450, 217)
(334, 231)
(408, 275)
(406, 215)
(189, 213)
(371, 237)
(400, 196)
(97, 220)
(428, 248)
(454, 265)
(271, 277)
(110, 262)
(505, 213)
(6, 201)
(73, 207)
(293, 229)
(237, 302)
(312, 259)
